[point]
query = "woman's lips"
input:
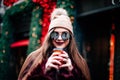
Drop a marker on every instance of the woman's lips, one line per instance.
(59, 43)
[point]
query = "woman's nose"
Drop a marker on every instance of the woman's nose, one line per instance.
(59, 38)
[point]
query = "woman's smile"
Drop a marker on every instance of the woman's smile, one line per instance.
(60, 43)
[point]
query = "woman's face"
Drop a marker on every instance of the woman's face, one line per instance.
(62, 38)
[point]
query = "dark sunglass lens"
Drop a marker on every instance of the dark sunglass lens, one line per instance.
(54, 35)
(65, 35)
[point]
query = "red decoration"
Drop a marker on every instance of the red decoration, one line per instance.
(112, 53)
(9, 2)
(20, 43)
(48, 6)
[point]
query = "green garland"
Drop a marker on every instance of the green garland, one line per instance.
(35, 29)
(69, 6)
(24, 6)
(7, 36)
(5, 41)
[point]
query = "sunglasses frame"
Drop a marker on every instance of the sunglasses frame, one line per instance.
(55, 35)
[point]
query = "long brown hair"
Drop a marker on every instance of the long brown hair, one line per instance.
(38, 56)
(78, 59)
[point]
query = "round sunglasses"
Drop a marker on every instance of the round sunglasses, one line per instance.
(64, 35)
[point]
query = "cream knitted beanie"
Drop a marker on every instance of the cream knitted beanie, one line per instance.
(59, 18)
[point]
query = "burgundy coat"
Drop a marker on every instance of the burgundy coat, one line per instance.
(62, 74)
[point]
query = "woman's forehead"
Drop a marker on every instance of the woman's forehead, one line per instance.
(61, 29)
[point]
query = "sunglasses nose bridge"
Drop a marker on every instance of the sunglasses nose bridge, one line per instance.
(59, 37)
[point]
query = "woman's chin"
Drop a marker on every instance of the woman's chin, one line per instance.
(60, 47)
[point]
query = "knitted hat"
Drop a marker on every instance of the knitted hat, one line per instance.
(59, 18)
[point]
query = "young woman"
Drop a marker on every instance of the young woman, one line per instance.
(58, 58)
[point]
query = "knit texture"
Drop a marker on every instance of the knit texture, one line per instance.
(60, 18)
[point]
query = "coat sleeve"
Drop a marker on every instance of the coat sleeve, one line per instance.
(38, 73)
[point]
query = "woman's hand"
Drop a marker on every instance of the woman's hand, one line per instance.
(53, 61)
(66, 62)
(59, 60)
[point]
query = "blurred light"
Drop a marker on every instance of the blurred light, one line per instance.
(20, 43)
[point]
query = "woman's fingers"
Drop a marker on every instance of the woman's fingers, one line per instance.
(59, 60)
(68, 64)
(56, 62)
(64, 55)
(56, 58)
(52, 66)
(49, 65)
(53, 62)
